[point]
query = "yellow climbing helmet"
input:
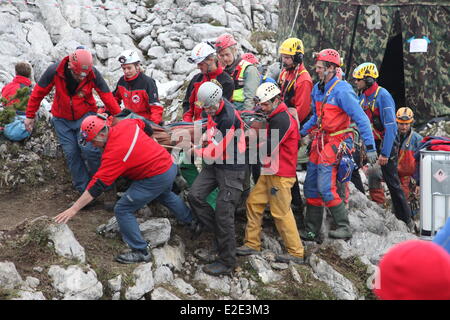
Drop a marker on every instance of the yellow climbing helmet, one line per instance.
(291, 46)
(405, 115)
(367, 69)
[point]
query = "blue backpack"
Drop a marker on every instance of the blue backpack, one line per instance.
(15, 131)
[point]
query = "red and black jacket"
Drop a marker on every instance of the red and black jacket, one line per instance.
(129, 152)
(140, 95)
(191, 111)
(282, 152)
(225, 139)
(71, 101)
(11, 88)
(296, 87)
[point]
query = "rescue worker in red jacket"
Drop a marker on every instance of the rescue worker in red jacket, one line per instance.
(296, 85)
(204, 55)
(74, 78)
(21, 80)
(244, 74)
(276, 179)
(223, 152)
(409, 142)
(334, 106)
(129, 151)
(138, 91)
(294, 80)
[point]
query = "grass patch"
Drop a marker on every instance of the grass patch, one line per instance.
(8, 294)
(351, 268)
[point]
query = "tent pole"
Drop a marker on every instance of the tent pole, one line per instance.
(350, 53)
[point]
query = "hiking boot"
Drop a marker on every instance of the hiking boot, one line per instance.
(134, 256)
(217, 269)
(246, 251)
(340, 216)
(286, 258)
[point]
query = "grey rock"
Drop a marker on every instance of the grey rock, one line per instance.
(182, 66)
(295, 275)
(279, 266)
(170, 256)
(156, 231)
(163, 294)
(143, 282)
(163, 274)
(29, 295)
(263, 269)
(73, 283)
(145, 43)
(65, 243)
(204, 31)
(115, 284)
(221, 283)
(142, 31)
(341, 286)
(25, 16)
(156, 52)
(9, 277)
(32, 282)
(183, 287)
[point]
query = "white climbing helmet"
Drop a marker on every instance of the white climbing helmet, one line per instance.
(200, 52)
(129, 56)
(266, 91)
(208, 95)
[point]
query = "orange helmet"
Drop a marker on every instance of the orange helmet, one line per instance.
(224, 41)
(329, 55)
(405, 115)
(250, 57)
(91, 126)
(80, 62)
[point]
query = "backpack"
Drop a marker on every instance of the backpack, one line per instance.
(15, 131)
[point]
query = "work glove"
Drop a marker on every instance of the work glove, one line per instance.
(371, 157)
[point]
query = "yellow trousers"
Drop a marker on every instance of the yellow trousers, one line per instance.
(276, 191)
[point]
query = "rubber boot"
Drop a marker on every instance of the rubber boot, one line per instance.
(313, 223)
(340, 217)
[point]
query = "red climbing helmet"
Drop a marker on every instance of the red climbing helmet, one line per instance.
(329, 55)
(91, 126)
(80, 62)
(224, 41)
(250, 57)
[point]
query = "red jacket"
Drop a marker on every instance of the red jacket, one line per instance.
(297, 95)
(282, 152)
(140, 95)
(66, 106)
(131, 153)
(193, 112)
(11, 88)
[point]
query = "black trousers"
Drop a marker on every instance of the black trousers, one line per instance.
(221, 221)
(390, 175)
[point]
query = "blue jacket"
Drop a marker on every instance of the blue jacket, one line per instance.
(384, 109)
(442, 238)
(341, 104)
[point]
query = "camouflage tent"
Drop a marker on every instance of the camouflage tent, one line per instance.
(381, 32)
